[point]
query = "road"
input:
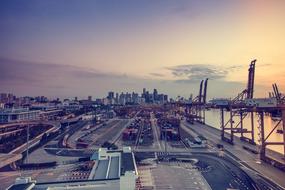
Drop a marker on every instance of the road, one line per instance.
(35, 140)
(158, 144)
(244, 156)
(15, 154)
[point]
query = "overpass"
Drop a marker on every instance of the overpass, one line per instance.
(16, 154)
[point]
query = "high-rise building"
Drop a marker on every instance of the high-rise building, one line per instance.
(165, 98)
(128, 98)
(155, 93)
(122, 99)
(3, 97)
(110, 95)
(135, 98)
(41, 99)
(117, 98)
(90, 98)
(144, 93)
(11, 97)
(147, 97)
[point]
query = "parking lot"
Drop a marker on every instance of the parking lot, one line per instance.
(177, 175)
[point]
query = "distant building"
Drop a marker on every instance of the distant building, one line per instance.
(165, 98)
(98, 101)
(155, 95)
(117, 98)
(11, 97)
(89, 98)
(7, 98)
(23, 101)
(86, 103)
(105, 101)
(3, 97)
(220, 102)
(47, 110)
(17, 115)
(122, 99)
(141, 100)
(41, 99)
(111, 95)
(69, 105)
(261, 102)
(135, 98)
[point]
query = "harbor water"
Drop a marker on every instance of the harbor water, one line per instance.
(213, 119)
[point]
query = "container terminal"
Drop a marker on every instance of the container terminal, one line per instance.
(166, 145)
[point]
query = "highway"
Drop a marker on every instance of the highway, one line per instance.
(41, 154)
(33, 141)
(15, 154)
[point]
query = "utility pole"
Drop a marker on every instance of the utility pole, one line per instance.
(28, 135)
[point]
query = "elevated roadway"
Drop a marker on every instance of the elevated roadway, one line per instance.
(16, 154)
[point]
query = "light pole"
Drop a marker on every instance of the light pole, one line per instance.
(165, 141)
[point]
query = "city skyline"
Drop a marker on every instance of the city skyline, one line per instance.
(145, 96)
(68, 49)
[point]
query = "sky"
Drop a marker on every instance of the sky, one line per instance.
(67, 48)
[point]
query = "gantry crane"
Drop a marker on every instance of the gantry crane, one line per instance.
(238, 109)
(196, 110)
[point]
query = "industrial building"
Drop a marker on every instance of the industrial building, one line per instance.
(18, 114)
(113, 170)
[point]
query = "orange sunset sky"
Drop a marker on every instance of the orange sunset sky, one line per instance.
(79, 48)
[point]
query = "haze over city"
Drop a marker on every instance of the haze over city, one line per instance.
(69, 48)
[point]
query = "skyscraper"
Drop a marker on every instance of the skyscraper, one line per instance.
(110, 95)
(155, 93)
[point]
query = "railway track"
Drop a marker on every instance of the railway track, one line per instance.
(118, 137)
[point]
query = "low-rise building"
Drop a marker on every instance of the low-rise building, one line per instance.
(114, 164)
(18, 114)
(113, 170)
(70, 106)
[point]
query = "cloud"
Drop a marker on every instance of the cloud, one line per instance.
(197, 72)
(85, 73)
(157, 74)
(30, 78)
(25, 72)
(264, 65)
